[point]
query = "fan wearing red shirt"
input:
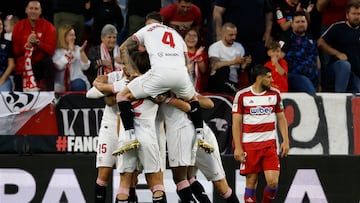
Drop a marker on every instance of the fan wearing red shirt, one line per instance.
(39, 35)
(278, 66)
(182, 15)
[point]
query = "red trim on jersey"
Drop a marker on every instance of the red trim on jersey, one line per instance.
(264, 127)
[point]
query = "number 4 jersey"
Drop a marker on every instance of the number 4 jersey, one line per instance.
(165, 46)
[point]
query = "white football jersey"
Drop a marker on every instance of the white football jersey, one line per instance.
(165, 46)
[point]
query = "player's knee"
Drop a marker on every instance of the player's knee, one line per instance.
(272, 183)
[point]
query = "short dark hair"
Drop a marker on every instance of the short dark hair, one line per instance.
(298, 13)
(259, 70)
(352, 4)
(141, 59)
(155, 16)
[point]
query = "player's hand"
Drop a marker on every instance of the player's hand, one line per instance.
(161, 97)
(239, 155)
(284, 149)
(102, 78)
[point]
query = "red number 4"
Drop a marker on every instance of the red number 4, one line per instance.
(168, 39)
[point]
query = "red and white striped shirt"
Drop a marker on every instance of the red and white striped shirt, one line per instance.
(259, 116)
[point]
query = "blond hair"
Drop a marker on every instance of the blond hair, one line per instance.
(62, 32)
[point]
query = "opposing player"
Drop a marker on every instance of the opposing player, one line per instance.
(168, 57)
(256, 111)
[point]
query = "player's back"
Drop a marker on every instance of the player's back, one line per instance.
(165, 46)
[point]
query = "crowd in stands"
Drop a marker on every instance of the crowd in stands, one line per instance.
(62, 45)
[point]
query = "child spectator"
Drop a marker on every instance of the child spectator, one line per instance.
(9, 23)
(278, 66)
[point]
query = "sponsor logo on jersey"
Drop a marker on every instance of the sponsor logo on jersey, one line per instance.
(259, 110)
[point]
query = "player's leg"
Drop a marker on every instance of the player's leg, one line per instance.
(101, 184)
(211, 164)
(132, 192)
(198, 190)
(183, 188)
(104, 160)
(271, 167)
(156, 185)
(250, 187)
(197, 119)
(123, 100)
(225, 191)
(123, 191)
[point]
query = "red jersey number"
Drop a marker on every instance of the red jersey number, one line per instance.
(168, 39)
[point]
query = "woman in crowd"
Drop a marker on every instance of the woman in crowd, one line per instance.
(199, 70)
(70, 61)
(105, 57)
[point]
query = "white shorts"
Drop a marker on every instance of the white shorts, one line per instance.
(210, 164)
(180, 142)
(154, 82)
(147, 155)
(160, 131)
(107, 143)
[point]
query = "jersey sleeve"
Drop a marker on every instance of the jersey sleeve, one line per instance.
(279, 104)
(139, 35)
(237, 104)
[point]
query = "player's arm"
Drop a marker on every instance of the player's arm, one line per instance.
(179, 103)
(130, 44)
(283, 128)
(237, 120)
(205, 102)
(101, 84)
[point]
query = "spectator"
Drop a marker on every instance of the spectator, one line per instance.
(104, 12)
(70, 61)
(105, 57)
(71, 13)
(182, 15)
(227, 58)
(9, 24)
(199, 70)
(283, 15)
(341, 41)
(137, 11)
(253, 20)
(332, 11)
(34, 41)
(278, 66)
(7, 62)
(302, 56)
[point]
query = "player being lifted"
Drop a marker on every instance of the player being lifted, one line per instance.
(168, 58)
